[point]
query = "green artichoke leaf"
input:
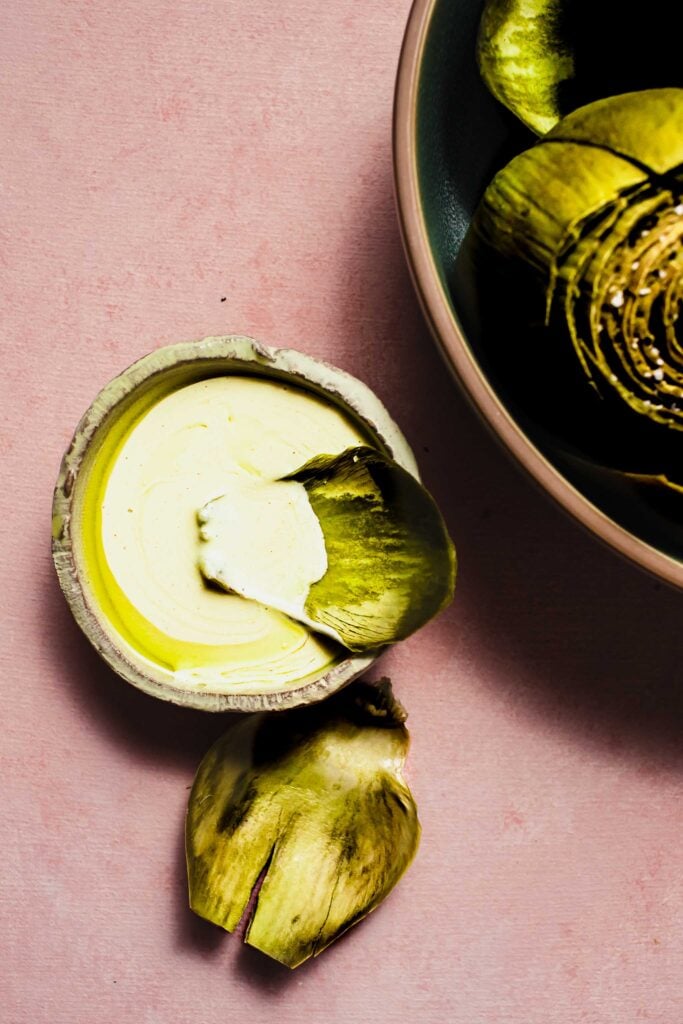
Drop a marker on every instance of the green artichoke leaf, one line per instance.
(643, 127)
(391, 562)
(572, 277)
(366, 558)
(536, 206)
(545, 58)
(524, 58)
(312, 802)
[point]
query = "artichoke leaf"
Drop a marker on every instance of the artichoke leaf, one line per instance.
(643, 127)
(314, 802)
(533, 208)
(572, 277)
(366, 560)
(524, 58)
(543, 59)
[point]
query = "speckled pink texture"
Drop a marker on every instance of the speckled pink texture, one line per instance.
(177, 168)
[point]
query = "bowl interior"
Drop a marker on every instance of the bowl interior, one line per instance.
(132, 646)
(462, 137)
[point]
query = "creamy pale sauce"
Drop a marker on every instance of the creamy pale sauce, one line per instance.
(262, 539)
(190, 447)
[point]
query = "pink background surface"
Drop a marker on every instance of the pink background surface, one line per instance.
(158, 157)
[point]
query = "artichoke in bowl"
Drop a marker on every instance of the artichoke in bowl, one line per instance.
(571, 279)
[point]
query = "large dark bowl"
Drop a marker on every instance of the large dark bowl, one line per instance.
(450, 136)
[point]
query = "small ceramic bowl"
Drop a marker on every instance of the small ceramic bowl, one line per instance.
(94, 448)
(450, 137)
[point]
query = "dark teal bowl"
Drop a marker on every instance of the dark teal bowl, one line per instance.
(450, 137)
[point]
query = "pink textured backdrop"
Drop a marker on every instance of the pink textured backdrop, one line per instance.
(157, 158)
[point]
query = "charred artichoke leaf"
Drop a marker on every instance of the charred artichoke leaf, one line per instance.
(524, 58)
(585, 231)
(313, 802)
(385, 563)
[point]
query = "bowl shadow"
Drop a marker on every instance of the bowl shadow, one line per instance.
(148, 729)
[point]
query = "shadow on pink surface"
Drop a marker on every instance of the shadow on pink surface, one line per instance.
(269, 976)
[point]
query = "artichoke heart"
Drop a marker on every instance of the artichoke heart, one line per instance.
(545, 58)
(351, 545)
(312, 803)
(572, 276)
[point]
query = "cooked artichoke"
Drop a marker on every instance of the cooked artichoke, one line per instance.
(571, 274)
(544, 58)
(524, 58)
(313, 803)
(351, 545)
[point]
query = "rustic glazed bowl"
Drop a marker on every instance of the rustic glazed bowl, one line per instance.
(118, 404)
(450, 137)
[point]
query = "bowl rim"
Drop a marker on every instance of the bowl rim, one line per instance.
(450, 337)
(240, 354)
